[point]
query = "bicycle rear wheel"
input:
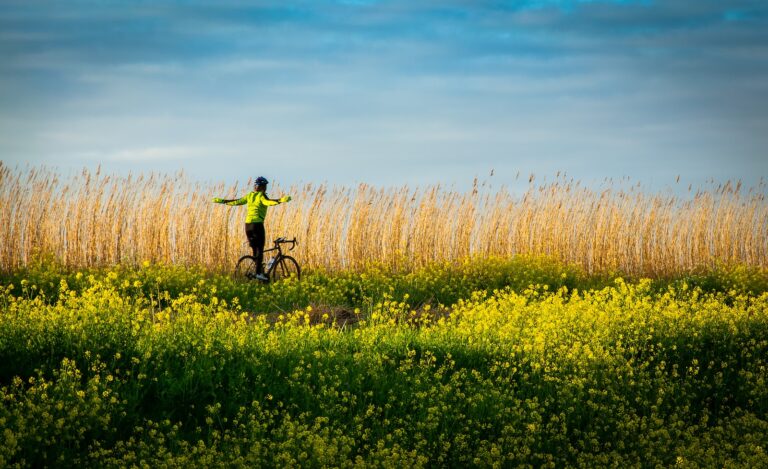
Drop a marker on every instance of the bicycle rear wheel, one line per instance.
(286, 267)
(246, 268)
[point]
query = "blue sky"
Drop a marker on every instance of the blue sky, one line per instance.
(389, 92)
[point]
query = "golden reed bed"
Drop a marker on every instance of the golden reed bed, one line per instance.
(92, 219)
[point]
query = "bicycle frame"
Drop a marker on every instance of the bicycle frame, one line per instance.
(276, 259)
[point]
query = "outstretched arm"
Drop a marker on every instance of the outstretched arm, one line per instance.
(241, 201)
(283, 199)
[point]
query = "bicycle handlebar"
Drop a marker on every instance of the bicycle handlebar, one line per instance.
(283, 240)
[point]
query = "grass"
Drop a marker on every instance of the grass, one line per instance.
(93, 219)
(559, 327)
(438, 284)
(496, 362)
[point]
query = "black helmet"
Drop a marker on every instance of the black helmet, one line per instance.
(261, 181)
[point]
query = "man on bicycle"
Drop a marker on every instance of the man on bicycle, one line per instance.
(254, 221)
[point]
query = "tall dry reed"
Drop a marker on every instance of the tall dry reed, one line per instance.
(93, 219)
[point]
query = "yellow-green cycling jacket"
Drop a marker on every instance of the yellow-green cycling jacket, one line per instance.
(257, 206)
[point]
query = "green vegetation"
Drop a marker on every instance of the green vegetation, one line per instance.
(494, 362)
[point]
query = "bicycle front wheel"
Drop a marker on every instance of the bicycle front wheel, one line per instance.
(246, 268)
(286, 267)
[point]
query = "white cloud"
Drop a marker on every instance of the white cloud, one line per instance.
(153, 154)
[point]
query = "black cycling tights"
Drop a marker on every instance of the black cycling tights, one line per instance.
(256, 237)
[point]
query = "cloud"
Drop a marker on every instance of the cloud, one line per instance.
(390, 84)
(155, 154)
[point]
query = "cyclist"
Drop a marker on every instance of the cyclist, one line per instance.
(254, 221)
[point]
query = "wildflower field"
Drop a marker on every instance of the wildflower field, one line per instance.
(565, 326)
(488, 362)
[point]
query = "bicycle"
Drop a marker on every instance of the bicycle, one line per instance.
(277, 268)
